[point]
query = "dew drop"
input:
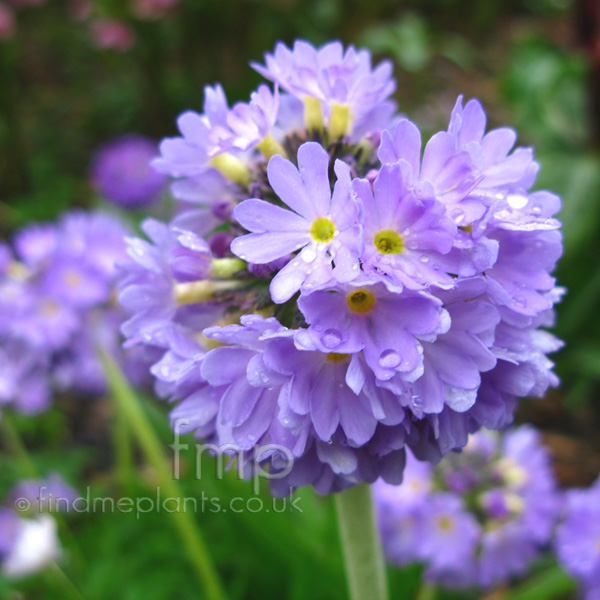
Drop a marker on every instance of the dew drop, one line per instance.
(458, 215)
(517, 200)
(416, 401)
(389, 359)
(520, 301)
(308, 255)
(424, 259)
(295, 263)
(331, 338)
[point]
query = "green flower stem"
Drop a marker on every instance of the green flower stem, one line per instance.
(363, 556)
(427, 591)
(14, 444)
(123, 452)
(128, 404)
(550, 584)
(57, 580)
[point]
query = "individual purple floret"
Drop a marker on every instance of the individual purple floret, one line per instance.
(389, 300)
(578, 539)
(121, 172)
(405, 236)
(366, 315)
(322, 224)
(336, 84)
(480, 517)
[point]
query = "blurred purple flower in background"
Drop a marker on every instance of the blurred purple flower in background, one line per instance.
(57, 307)
(578, 539)
(477, 519)
(121, 172)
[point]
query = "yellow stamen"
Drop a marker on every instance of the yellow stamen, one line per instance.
(336, 357)
(195, 292)
(322, 230)
(270, 147)
(340, 121)
(388, 242)
(232, 167)
(225, 268)
(313, 114)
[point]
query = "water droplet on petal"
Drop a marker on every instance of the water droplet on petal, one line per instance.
(458, 215)
(308, 255)
(424, 259)
(389, 359)
(520, 301)
(416, 401)
(517, 200)
(331, 338)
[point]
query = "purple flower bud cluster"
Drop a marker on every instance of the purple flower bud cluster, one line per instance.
(121, 172)
(578, 539)
(333, 288)
(57, 307)
(478, 518)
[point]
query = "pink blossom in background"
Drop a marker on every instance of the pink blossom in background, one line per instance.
(153, 9)
(22, 3)
(8, 24)
(80, 10)
(112, 34)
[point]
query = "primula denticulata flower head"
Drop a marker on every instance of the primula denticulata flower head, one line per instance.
(335, 286)
(477, 519)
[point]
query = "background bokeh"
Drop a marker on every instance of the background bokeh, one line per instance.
(69, 85)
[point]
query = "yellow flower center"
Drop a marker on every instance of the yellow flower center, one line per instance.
(49, 308)
(388, 242)
(361, 301)
(73, 279)
(322, 230)
(445, 523)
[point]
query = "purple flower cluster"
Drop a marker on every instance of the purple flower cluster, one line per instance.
(121, 172)
(578, 539)
(56, 307)
(383, 296)
(477, 519)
